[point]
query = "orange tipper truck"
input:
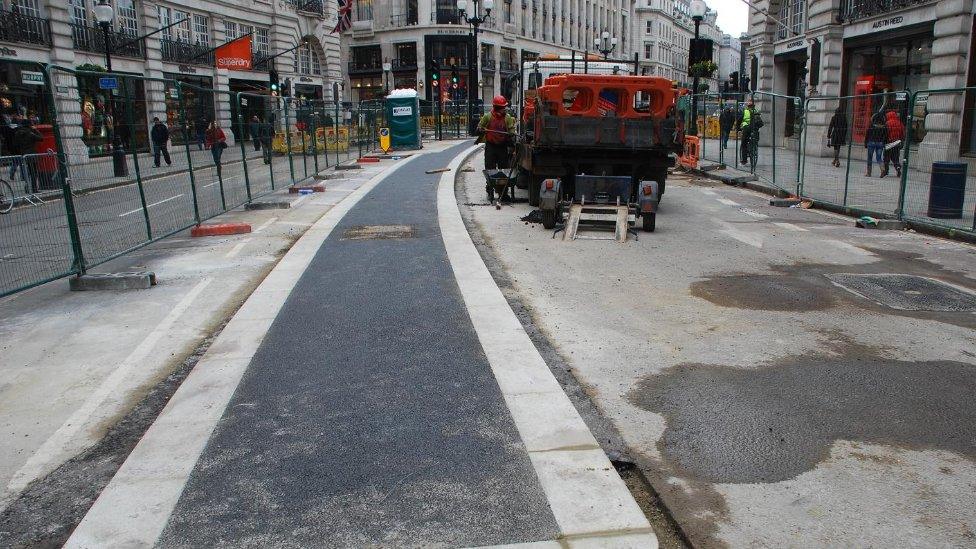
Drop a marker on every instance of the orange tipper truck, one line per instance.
(599, 139)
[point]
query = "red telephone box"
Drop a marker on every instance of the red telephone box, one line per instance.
(864, 86)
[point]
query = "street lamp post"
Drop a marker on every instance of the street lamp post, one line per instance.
(698, 10)
(387, 67)
(105, 15)
(604, 44)
(475, 20)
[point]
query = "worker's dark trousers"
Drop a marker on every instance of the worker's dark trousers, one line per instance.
(496, 156)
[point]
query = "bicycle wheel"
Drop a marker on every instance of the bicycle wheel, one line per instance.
(6, 197)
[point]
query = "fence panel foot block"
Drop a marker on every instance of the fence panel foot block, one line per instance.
(304, 189)
(133, 280)
(268, 205)
(220, 229)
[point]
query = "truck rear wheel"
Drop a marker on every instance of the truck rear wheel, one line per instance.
(549, 219)
(648, 219)
(534, 191)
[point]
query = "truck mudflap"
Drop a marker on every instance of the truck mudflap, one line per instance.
(649, 196)
(549, 192)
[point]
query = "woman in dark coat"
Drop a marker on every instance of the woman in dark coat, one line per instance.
(837, 133)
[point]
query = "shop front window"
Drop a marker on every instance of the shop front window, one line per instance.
(896, 65)
(104, 115)
(20, 98)
(194, 99)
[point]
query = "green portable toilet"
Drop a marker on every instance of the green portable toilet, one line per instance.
(403, 119)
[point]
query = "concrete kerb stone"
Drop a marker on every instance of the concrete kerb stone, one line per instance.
(134, 508)
(584, 491)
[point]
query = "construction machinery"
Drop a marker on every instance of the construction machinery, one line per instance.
(598, 147)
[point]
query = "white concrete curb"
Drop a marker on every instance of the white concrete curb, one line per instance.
(591, 504)
(136, 505)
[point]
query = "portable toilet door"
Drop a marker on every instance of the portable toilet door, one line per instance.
(403, 119)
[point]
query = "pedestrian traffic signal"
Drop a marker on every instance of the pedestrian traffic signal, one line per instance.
(435, 73)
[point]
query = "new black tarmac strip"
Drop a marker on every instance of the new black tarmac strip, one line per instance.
(369, 415)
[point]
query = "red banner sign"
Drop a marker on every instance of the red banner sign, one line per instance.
(235, 55)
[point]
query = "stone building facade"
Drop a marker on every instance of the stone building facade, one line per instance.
(822, 49)
(407, 35)
(64, 33)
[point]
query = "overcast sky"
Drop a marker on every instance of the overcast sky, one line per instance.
(733, 15)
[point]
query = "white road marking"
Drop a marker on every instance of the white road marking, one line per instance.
(265, 225)
(52, 447)
(728, 202)
(849, 247)
(237, 248)
(151, 205)
(749, 212)
(585, 494)
(745, 237)
(301, 199)
(790, 226)
(708, 192)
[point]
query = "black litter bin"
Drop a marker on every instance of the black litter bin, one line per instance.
(947, 190)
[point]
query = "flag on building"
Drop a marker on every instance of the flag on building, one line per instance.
(344, 20)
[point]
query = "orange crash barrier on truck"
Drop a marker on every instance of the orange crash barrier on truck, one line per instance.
(689, 156)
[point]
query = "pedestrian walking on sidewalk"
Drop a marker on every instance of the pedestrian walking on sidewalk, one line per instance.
(255, 128)
(896, 136)
(874, 142)
(216, 142)
(25, 140)
(160, 139)
(725, 122)
(200, 126)
(837, 133)
(745, 131)
(266, 132)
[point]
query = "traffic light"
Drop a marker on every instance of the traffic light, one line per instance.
(454, 77)
(435, 73)
(273, 79)
(286, 89)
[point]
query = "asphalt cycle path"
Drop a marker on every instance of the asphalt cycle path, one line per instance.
(369, 414)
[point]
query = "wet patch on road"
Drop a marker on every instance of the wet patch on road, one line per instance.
(765, 292)
(900, 283)
(769, 424)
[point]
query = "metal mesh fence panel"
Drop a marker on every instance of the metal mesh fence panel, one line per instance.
(770, 144)
(940, 180)
(35, 240)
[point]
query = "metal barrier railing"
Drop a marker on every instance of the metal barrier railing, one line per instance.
(897, 154)
(153, 180)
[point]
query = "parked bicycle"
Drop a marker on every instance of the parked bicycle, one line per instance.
(6, 197)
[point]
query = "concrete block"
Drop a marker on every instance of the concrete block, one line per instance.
(883, 224)
(784, 202)
(326, 176)
(348, 167)
(316, 188)
(133, 280)
(368, 160)
(220, 229)
(268, 205)
(707, 166)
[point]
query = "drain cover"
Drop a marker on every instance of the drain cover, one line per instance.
(906, 292)
(378, 232)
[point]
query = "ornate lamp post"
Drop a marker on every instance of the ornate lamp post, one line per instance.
(604, 44)
(698, 10)
(475, 20)
(105, 15)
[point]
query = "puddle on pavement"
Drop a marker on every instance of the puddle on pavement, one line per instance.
(776, 421)
(811, 287)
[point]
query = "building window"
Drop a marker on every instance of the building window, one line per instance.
(79, 12)
(26, 7)
(183, 30)
(307, 60)
(364, 10)
(127, 17)
(201, 28)
(262, 43)
(650, 27)
(791, 14)
(508, 11)
(165, 20)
